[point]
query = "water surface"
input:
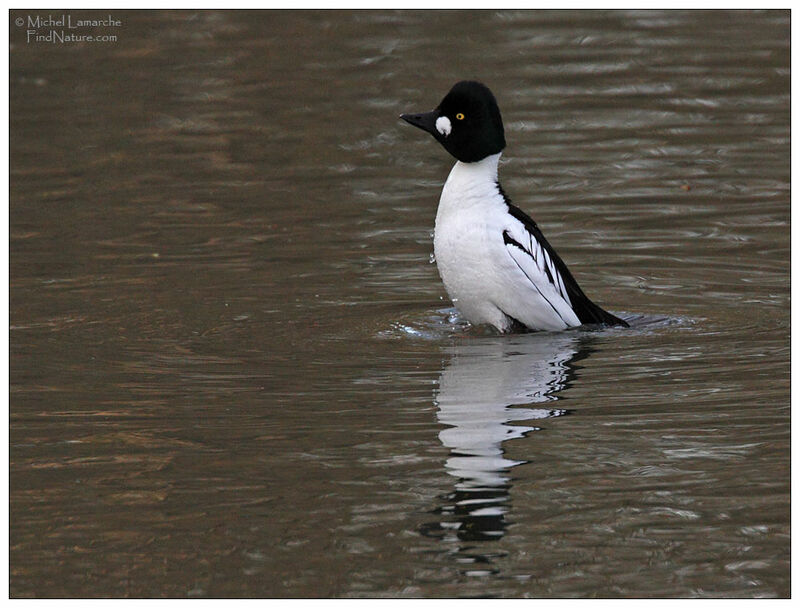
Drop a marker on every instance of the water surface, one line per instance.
(235, 372)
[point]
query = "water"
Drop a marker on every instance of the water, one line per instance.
(234, 371)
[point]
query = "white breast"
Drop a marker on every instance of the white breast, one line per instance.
(464, 224)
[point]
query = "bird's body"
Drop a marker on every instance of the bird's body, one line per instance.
(478, 269)
(496, 265)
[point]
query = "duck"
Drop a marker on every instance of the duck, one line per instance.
(494, 261)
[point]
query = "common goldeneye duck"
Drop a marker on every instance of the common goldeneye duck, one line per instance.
(495, 263)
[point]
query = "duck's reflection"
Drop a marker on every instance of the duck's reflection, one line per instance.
(487, 384)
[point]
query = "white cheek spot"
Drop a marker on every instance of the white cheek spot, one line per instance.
(443, 125)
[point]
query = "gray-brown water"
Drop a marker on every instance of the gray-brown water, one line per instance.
(235, 372)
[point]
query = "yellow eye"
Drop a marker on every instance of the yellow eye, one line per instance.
(459, 116)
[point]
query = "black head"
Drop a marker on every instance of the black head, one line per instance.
(467, 122)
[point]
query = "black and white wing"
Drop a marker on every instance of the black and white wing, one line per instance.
(550, 299)
(536, 258)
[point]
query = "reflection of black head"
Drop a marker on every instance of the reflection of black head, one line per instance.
(467, 122)
(477, 515)
(481, 513)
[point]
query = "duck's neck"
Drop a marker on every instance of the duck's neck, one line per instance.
(482, 171)
(472, 183)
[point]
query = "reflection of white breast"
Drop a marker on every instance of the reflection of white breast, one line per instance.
(483, 378)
